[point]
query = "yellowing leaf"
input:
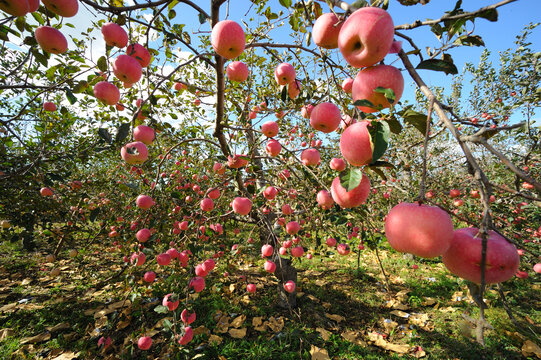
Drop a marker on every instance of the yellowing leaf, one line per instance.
(222, 325)
(379, 341)
(337, 318)
(237, 333)
(238, 321)
(258, 324)
(529, 348)
(36, 339)
(318, 353)
(400, 314)
(201, 330)
(325, 335)
(215, 339)
(275, 324)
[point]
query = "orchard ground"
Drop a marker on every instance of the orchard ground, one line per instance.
(343, 311)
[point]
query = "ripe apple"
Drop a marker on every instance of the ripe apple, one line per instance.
(241, 205)
(325, 31)
(537, 268)
(310, 157)
(214, 194)
(289, 286)
(144, 134)
(270, 192)
(180, 86)
(138, 258)
(347, 121)
(337, 164)
(284, 74)
(171, 305)
(356, 144)
(331, 242)
(454, 193)
(266, 250)
(270, 129)
(343, 249)
(49, 106)
(200, 271)
(107, 92)
(51, 40)
(306, 111)
(187, 337)
(127, 69)
(65, 8)
(463, 258)
(475, 194)
(218, 168)
(16, 7)
(143, 235)
(420, 230)
(366, 37)
(251, 288)
(353, 198)
(292, 227)
(297, 251)
(324, 199)
(294, 89)
(207, 204)
(286, 209)
(236, 162)
(149, 276)
(527, 186)
(228, 39)
(270, 267)
(273, 147)
(197, 283)
(134, 153)
(186, 317)
(237, 71)
(114, 35)
(347, 85)
(368, 79)
(163, 259)
(325, 117)
(144, 342)
(144, 202)
(45, 191)
(139, 53)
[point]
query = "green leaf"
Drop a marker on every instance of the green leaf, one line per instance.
(102, 63)
(37, 16)
(285, 3)
(283, 95)
(380, 133)
(202, 18)
(359, 4)
(417, 119)
(394, 125)
(160, 309)
(381, 163)
(379, 172)
(105, 135)
(364, 102)
(472, 40)
(122, 133)
(351, 178)
(389, 93)
(71, 98)
(490, 15)
(167, 325)
(438, 65)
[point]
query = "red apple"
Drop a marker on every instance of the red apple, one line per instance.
(218, 168)
(273, 147)
(228, 39)
(289, 286)
(325, 117)
(537, 268)
(284, 74)
(306, 111)
(143, 235)
(114, 35)
(186, 317)
(266, 250)
(347, 121)
(325, 31)
(171, 305)
(310, 157)
(15, 7)
(337, 164)
(107, 92)
(297, 251)
(463, 257)
(144, 342)
(127, 69)
(475, 194)
(237, 71)
(367, 80)
(343, 249)
(197, 283)
(241, 205)
(149, 276)
(45, 191)
(49, 106)
(270, 193)
(292, 227)
(236, 161)
(134, 153)
(51, 40)
(294, 89)
(420, 230)
(324, 199)
(144, 202)
(180, 86)
(163, 259)
(270, 267)
(207, 204)
(65, 8)
(251, 288)
(286, 209)
(331, 242)
(356, 144)
(366, 37)
(353, 198)
(347, 85)
(144, 134)
(139, 53)
(214, 194)
(270, 129)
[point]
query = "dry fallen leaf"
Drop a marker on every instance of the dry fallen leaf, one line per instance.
(400, 314)
(389, 325)
(8, 307)
(337, 318)
(353, 337)
(275, 324)
(36, 339)
(215, 339)
(379, 341)
(428, 301)
(201, 330)
(5, 333)
(238, 321)
(222, 325)
(58, 327)
(325, 335)
(258, 324)
(237, 333)
(319, 354)
(529, 348)
(66, 356)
